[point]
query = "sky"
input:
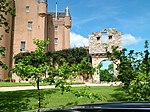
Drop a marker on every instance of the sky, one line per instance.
(131, 17)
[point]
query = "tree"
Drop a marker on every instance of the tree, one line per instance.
(6, 8)
(77, 57)
(72, 56)
(85, 68)
(134, 72)
(33, 66)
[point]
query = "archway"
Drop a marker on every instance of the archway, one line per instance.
(106, 71)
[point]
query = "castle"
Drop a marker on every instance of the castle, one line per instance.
(33, 21)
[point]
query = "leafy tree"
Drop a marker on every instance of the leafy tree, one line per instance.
(85, 68)
(77, 57)
(59, 77)
(134, 72)
(33, 66)
(6, 8)
(72, 56)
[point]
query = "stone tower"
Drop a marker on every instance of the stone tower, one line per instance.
(29, 24)
(33, 21)
(59, 24)
(99, 42)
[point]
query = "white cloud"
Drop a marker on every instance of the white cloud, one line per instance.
(76, 40)
(128, 39)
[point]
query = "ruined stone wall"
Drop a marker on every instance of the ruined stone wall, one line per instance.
(98, 43)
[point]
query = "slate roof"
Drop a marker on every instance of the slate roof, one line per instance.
(59, 14)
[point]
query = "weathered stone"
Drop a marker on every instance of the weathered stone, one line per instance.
(97, 48)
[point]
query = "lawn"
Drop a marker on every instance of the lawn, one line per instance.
(12, 84)
(52, 98)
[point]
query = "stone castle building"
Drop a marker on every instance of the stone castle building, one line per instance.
(33, 21)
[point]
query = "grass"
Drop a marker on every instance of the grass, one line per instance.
(12, 84)
(52, 98)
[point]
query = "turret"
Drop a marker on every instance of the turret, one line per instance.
(67, 12)
(67, 18)
(42, 7)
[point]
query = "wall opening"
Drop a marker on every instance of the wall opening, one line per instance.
(104, 37)
(106, 71)
(98, 38)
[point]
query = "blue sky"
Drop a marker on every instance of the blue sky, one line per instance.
(131, 17)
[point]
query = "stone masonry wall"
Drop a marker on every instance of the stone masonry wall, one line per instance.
(96, 44)
(97, 47)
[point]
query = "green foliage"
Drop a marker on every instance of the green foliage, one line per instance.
(134, 72)
(106, 74)
(5, 9)
(32, 65)
(72, 56)
(77, 58)
(38, 64)
(85, 67)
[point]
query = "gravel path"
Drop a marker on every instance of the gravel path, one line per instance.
(3, 89)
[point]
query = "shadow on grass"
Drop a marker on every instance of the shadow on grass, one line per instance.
(119, 95)
(18, 101)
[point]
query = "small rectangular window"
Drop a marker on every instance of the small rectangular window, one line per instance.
(55, 40)
(22, 46)
(98, 38)
(27, 9)
(110, 37)
(30, 25)
(1, 37)
(56, 28)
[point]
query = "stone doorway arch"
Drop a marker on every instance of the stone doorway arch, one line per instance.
(98, 43)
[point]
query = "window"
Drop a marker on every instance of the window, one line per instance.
(1, 37)
(56, 28)
(104, 37)
(30, 25)
(55, 40)
(22, 46)
(98, 38)
(27, 9)
(110, 37)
